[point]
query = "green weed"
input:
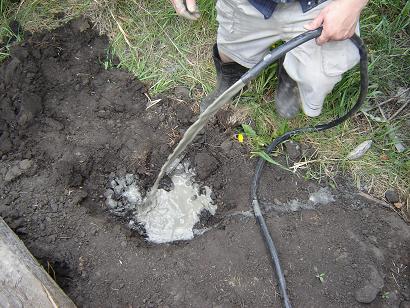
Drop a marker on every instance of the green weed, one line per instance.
(321, 277)
(385, 295)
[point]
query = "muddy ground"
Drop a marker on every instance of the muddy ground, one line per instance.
(67, 125)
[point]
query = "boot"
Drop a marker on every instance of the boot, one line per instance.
(287, 96)
(227, 74)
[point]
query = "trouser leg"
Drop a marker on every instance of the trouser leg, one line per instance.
(245, 37)
(227, 74)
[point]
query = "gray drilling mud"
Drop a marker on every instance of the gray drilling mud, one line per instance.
(175, 213)
(321, 197)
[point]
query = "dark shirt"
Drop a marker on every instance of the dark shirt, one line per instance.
(267, 7)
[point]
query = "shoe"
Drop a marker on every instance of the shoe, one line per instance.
(287, 96)
(227, 74)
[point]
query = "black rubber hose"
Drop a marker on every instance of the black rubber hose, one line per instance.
(364, 82)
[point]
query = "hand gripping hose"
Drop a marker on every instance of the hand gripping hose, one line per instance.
(252, 74)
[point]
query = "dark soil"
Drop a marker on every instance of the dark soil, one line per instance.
(66, 124)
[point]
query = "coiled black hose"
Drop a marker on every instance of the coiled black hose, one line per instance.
(364, 81)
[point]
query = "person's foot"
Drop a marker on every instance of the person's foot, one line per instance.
(227, 74)
(287, 96)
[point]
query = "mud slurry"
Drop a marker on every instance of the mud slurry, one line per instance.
(168, 215)
(68, 127)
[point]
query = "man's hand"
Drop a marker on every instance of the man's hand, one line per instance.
(186, 8)
(339, 20)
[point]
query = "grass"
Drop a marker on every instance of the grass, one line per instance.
(5, 29)
(165, 51)
(385, 27)
(160, 50)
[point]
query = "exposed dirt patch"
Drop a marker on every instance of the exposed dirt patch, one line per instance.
(67, 125)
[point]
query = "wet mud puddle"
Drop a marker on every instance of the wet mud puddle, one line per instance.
(167, 216)
(170, 215)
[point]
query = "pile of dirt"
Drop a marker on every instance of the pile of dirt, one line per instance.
(67, 126)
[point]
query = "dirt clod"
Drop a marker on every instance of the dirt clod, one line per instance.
(226, 146)
(80, 25)
(17, 169)
(293, 149)
(366, 294)
(25, 164)
(206, 164)
(182, 93)
(392, 196)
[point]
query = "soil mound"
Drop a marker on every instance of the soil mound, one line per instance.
(68, 125)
